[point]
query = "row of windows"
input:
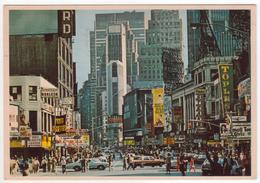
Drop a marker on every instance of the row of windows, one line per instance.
(16, 93)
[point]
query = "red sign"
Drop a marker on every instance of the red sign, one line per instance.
(115, 119)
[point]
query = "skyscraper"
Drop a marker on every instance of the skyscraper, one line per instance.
(116, 85)
(164, 31)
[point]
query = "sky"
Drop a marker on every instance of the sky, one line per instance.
(81, 47)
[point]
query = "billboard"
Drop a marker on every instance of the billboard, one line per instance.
(115, 119)
(241, 130)
(224, 130)
(226, 80)
(36, 141)
(60, 124)
(177, 114)
(158, 107)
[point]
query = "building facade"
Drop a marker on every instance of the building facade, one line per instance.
(28, 93)
(164, 31)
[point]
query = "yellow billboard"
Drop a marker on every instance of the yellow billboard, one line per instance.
(158, 107)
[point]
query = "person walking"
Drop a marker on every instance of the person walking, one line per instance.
(124, 162)
(227, 166)
(131, 162)
(168, 164)
(110, 162)
(83, 164)
(192, 164)
(63, 164)
(216, 168)
(183, 165)
(44, 164)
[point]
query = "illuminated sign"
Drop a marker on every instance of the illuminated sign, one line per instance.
(226, 79)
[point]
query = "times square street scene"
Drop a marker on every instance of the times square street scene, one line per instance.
(152, 92)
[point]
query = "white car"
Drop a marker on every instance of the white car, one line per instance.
(94, 163)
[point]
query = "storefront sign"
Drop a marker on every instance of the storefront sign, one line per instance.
(238, 118)
(226, 79)
(213, 142)
(17, 143)
(36, 141)
(25, 132)
(60, 124)
(49, 92)
(241, 131)
(129, 142)
(115, 119)
(158, 107)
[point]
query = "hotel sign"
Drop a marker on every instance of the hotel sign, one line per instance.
(66, 24)
(226, 80)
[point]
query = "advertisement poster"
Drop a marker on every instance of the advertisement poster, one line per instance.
(158, 107)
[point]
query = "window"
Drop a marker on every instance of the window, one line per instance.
(33, 120)
(16, 93)
(32, 93)
(114, 70)
(199, 78)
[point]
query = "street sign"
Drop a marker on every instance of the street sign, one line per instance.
(238, 118)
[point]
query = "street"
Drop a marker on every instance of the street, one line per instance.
(118, 171)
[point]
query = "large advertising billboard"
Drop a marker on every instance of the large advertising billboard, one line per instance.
(158, 107)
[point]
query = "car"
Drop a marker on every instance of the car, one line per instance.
(94, 163)
(200, 159)
(147, 161)
(206, 168)
(174, 162)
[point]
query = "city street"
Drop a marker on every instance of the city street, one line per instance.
(118, 171)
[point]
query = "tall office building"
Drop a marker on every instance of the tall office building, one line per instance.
(219, 22)
(116, 80)
(164, 31)
(98, 52)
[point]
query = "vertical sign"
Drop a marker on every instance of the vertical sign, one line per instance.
(226, 80)
(66, 23)
(158, 107)
(60, 124)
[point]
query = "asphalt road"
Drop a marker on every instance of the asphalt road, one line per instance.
(117, 170)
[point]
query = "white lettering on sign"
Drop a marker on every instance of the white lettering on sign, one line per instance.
(66, 15)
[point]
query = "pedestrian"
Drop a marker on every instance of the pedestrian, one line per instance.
(44, 164)
(168, 164)
(178, 164)
(192, 164)
(110, 162)
(87, 162)
(216, 167)
(25, 167)
(36, 165)
(227, 166)
(183, 165)
(63, 164)
(124, 162)
(131, 162)
(83, 164)
(53, 164)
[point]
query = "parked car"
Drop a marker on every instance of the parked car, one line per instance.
(147, 161)
(206, 168)
(94, 163)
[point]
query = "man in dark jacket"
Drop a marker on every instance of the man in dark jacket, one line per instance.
(216, 168)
